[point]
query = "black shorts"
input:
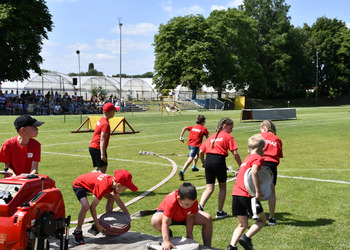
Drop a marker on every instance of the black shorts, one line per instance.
(96, 158)
(241, 206)
(174, 223)
(79, 192)
(273, 166)
(215, 168)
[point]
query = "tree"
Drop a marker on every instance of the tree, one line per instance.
(23, 26)
(331, 38)
(181, 50)
(232, 45)
(272, 44)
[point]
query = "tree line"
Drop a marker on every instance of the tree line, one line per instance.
(256, 49)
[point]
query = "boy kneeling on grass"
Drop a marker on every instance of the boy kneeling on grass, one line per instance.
(181, 208)
(241, 199)
(100, 185)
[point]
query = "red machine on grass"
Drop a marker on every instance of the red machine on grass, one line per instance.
(31, 211)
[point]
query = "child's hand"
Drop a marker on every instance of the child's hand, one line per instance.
(182, 139)
(258, 196)
(167, 245)
(100, 228)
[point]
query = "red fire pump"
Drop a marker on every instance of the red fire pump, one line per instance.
(31, 211)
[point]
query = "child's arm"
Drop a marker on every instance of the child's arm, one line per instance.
(256, 181)
(201, 156)
(35, 166)
(120, 203)
(237, 157)
(103, 144)
(166, 222)
(182, 134)
(189, 226)
(93, 206)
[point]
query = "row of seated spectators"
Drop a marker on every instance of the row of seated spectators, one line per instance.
(51, 103)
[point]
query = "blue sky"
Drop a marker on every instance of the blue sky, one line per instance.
(91, 26)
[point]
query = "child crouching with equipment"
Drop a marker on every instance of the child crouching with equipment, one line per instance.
(100, 185)
(181, 208)
(241, 199)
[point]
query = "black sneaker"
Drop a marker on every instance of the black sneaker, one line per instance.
(93, 230)
(200, 208)
(230, 247)
(221, 214)
(78, 237)
(181, 175)
(272, 222)
(246, 242)
(194, 169)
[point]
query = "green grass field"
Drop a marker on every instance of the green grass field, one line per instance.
(313, 186)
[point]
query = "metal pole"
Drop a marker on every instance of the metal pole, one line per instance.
(120, 69)
(316, 73)
(78, 52)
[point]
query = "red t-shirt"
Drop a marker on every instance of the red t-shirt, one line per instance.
(273, 147)
(196, 135)
(223, 142)
(101, 126)
(239, 188)
(172, 209)
(20, 157)
(95, 182)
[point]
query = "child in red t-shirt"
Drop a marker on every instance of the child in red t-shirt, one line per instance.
(21, 154)
(272, 154)
(241, 199)
(216, 148)
(99, 142)
(195, 138)
(100, 185)
(181, 208)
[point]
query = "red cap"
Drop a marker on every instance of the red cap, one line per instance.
(108, 107)
(125, 178)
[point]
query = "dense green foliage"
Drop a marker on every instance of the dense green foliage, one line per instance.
(311, 213)
(23, 26)
(254, 48)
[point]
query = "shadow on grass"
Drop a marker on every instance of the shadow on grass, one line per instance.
(282, 219)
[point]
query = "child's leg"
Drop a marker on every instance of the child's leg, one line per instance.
(206, 194)
(195, 160)
(156, 221)
(259, 224)
(110, 202)
(242, 226)
(272, 202)
(204, 219)
(222, 195)
(85, 206)
(187, 163)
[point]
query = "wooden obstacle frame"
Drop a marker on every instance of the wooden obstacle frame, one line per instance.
(117, 125)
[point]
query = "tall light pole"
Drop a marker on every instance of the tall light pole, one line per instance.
(316, 73)
(78, 53)
(120, 69)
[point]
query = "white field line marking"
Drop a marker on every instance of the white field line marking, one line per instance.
(313, 179)
(114, 159)
(299, 170)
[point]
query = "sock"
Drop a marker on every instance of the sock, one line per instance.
(194, 166)
(182, 171)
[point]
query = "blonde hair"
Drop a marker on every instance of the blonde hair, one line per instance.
(256, 142)
(269, 126)
(220, 126)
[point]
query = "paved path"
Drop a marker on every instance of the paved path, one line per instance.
(128, 241)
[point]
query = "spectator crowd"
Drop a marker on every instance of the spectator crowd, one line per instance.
(53, 103)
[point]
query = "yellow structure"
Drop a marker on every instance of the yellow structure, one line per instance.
(117, 125)
(239, 102)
